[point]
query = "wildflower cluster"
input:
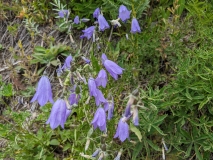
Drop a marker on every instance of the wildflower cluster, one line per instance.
(64, 105)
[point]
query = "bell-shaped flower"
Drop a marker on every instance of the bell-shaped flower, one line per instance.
(76, 20)
(103, 24)
(135, 116)
(92, 87)
(124, 13)
(113, 69)
(63, 13)
(99, 98)
(99, 119)
(101, 80)
(122, 131)
(135, 26)
(67, 64)
(96, 13)
(88, 33)
(59, 114)
(74, 98)
(43, 92)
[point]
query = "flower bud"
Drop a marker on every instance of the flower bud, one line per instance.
(96, 152)
(87, 144)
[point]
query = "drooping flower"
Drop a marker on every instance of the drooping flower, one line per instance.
(99, 119)
(63, 13)
(59, 114)
(135, 26)
(103, 24)
(124, 13)
(76, 20)
(88, 32)
(113, 69)
(96, 13)
(99, 98)
(43, 92)
(67, 64)
(101, 79)
(127, 112)
(122, 131)
(92, 87)
(135, 116)
(74, 98)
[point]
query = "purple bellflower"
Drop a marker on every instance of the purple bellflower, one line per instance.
(92, 87)
(101, 80)
(127, 112)
(99, 98)
(130, 102)
(88, 33)
(96, 13)
(124, 13)
(135, 26)
(103, 24)
(76, 20)
(43, 92)
(67, 64)
(122, 131)
(59, 114)
(74, 98)
(63, 13)
(135, 116)
(99, 119)
(113, 69)
(106, 106)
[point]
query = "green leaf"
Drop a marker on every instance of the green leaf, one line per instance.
(204, 102)
(67, 146)
(54, 62)
(189, 149)
(95, 63)
(136, 131)
(89, 133)
(137, 150)
(39, 49)
(198, 155)
(154, 146)
(7, 90)
(54, 142)
(158, 129)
